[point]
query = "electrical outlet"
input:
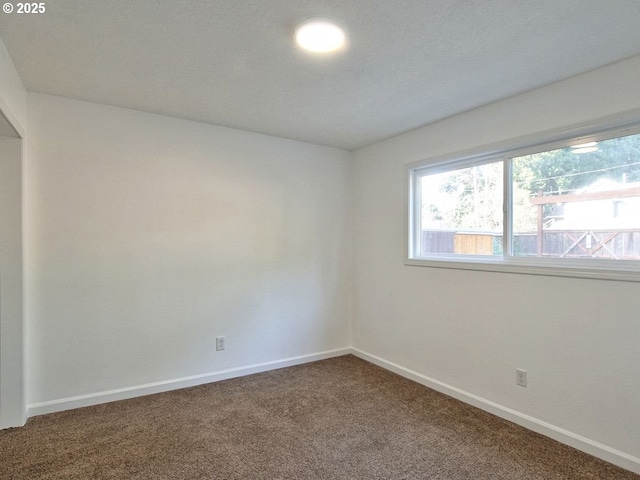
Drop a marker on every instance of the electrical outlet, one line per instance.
(220, 343)
(521, 377)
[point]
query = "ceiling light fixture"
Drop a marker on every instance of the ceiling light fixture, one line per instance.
(320, 35)
(584, 150)
(585, 147)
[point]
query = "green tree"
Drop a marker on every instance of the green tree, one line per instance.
(471, 198)
(562, 171)
(468, 198)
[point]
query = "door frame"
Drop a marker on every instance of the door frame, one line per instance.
(13, 412)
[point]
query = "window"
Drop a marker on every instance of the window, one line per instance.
(461, 211)
(570, 208)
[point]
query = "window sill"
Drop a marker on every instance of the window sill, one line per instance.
(573, 269)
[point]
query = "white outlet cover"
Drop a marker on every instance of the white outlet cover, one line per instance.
(521, 377)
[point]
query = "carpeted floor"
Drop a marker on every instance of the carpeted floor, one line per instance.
(341, 418)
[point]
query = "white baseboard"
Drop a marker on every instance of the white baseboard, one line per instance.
(69, 403)
(579, 442)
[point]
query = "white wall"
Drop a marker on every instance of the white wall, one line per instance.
(149, 236)
(578, 339)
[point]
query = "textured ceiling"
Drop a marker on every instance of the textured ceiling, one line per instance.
(233, 63)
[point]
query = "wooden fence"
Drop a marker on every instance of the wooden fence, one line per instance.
(616, 244)
(451, 241)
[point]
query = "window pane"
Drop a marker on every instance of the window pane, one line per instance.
(461, 211)
(579, 202)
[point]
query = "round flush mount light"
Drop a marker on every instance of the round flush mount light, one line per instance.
(320, 35)
(585, 147)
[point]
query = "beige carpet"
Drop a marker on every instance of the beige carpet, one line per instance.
(341, 418)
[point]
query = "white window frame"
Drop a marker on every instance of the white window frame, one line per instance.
(605, 269)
